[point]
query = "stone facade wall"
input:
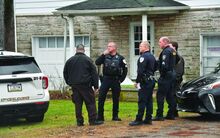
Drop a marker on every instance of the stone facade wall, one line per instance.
(185, 28)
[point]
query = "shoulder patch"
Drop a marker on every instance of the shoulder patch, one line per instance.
(141, 59)
(174, 53)
(164, 57)
(124, 61)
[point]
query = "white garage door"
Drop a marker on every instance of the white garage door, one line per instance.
(49, 54)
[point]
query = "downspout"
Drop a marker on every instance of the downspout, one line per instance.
(64, 43)
(65, 37)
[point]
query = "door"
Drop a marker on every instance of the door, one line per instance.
(135, 39)
(209, 49)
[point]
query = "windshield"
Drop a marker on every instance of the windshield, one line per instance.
(18, 65)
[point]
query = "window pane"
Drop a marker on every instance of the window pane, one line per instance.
(51, 42)
(42, 42)
(86, 41)
(78, 40)
(214, 41)
(60, 42)
(136, 48)
(68, 42)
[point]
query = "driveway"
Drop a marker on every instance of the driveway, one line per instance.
(193, 126)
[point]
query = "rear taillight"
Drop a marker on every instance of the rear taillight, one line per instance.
(39, 103)
(45, 82)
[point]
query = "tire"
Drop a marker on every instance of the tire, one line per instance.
(38, 118)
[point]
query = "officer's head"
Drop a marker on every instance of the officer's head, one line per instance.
(80, 48)
(164, 41)
(175, 45)
(144, 46)
(112, 47)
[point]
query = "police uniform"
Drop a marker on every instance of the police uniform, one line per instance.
(146, 68)
(166, 81)
(114, 72)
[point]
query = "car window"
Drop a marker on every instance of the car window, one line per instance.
(18, 65)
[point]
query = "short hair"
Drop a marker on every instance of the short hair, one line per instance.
(174, 44)
(165, 39)
(146, 43)
(80, 47)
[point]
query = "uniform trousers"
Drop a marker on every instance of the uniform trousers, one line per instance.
(165, 90)
(114, 84)
(145, 100)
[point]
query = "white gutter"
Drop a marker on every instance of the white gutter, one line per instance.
(124, 11)
(71, 36)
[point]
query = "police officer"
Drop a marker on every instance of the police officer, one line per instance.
(179, 69)
(166, 65)
(146, 68)
(80, 73)
(114, 72)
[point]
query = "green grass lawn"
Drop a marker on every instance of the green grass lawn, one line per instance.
(60, 115)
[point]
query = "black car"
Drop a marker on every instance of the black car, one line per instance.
(201, 95)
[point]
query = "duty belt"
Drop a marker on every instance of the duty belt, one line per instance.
(111, 77)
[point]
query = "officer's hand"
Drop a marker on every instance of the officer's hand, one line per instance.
(96, 91)
(135, 85)
(106, 52)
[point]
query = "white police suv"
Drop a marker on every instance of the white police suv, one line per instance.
(23, 87)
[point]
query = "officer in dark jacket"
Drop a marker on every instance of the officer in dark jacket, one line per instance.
(80, 73)
(145, 72)
(114, 72)
(166, 81)
(179, 69)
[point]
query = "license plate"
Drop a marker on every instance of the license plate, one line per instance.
(14, 87)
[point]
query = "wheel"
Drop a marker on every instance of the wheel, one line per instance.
(38, 118)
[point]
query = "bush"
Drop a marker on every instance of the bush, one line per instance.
(60, 95)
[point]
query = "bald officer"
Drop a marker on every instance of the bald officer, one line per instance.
(146, 68)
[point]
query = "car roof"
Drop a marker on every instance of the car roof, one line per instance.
(9, 53)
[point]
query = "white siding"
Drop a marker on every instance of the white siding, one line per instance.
(40, 7)
(195, 4)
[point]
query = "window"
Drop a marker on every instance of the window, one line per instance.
(138, 37)
(58, 41)
(210, 53)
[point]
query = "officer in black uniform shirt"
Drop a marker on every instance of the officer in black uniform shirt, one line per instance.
(166, 81)
(80, 73)
(114, 72)
(145, 71)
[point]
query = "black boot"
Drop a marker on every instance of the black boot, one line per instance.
(136, 123)
(147, 122)
(115, 117)
(80, 123)
(96, 122)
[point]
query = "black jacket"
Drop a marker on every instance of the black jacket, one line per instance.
(167, 60)
(79, 69)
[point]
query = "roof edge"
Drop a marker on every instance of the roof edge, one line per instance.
(123, 11)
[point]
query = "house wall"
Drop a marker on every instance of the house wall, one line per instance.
(185, 28)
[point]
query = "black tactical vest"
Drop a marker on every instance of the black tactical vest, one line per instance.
(112, 65)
